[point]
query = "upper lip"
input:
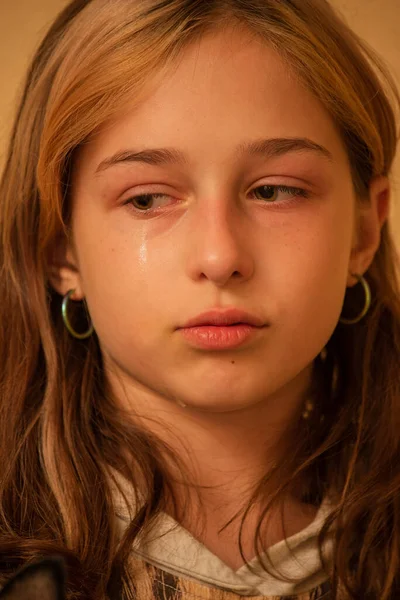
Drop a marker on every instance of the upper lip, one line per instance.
(226, 316)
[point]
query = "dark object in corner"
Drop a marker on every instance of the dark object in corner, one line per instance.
(42, 580)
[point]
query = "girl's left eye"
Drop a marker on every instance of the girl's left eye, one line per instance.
(268, 196)
(270, 190)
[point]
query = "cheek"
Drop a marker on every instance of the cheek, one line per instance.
(122, 287)
(312, 272)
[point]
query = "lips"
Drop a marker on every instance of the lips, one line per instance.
(225, 317)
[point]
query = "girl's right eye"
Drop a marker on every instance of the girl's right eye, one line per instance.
(143, 200)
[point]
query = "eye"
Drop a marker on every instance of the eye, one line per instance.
(269, 192)
(143, 201)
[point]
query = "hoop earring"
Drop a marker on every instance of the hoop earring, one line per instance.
(367, 303)
(75, 334)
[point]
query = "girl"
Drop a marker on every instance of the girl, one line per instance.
(200, 315)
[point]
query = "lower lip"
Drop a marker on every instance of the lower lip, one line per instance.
(210, 337)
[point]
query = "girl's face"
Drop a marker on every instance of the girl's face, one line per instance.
(213, 236)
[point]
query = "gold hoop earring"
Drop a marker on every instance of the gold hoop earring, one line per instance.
(367, 303)
(75, 334)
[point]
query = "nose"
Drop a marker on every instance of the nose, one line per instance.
(220, 242)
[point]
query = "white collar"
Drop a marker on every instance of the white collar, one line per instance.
(168, 546)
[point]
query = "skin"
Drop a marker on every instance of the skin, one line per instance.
(212, 243)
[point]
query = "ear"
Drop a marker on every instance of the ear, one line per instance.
(63, 269)
(369, 220)
(44, 580)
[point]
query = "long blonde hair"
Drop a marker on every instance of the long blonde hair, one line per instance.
(60, 434)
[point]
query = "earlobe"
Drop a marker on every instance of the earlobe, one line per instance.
(62, 279)
(62, 271)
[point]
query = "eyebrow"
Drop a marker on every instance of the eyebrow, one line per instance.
(269, 148)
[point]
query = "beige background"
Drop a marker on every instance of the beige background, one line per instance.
(23, 23)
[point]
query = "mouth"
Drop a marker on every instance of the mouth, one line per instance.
(220, 336)
(222, 324)
(226, 318)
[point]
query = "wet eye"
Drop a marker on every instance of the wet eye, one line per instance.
(144, 202)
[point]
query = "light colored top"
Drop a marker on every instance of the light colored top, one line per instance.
(170, 547)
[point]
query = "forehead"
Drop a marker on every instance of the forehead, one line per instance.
(226, 88)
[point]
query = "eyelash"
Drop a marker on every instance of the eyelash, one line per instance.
(295, 191)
